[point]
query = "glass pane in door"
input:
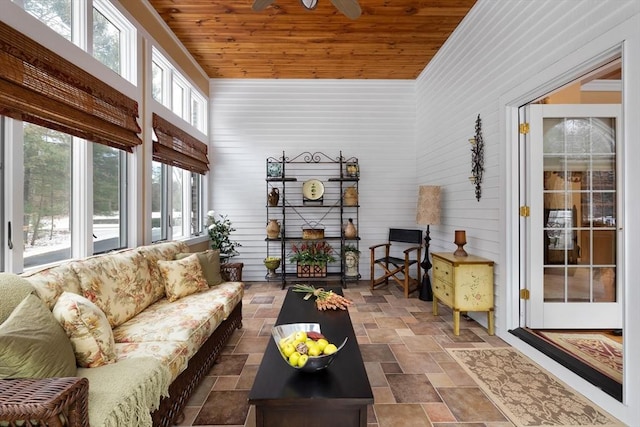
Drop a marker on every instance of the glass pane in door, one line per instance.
(579, 209)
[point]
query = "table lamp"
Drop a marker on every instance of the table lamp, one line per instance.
(428, 213)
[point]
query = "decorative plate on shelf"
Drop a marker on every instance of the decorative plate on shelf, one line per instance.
(313, 189)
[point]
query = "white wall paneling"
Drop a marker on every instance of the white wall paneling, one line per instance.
(510, 47)
(254, 119)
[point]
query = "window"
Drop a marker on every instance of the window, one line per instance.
(197, 225)
(109, 201)
(47, 195)
(178, 98)
(69, 178)
(198, 108)
(177, 211)
(159, 221)
(112, 37)
(173, 91)
(177, 204)
(157, 78)
(51, 160)
(114, 40)
(55, 14)
(106, 41)
(183, 201)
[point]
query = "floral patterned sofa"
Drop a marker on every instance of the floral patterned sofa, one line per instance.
(144, 326)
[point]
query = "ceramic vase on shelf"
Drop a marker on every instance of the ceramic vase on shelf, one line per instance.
(273, 229)
(350, 196)
(350, 231)
(273, 197)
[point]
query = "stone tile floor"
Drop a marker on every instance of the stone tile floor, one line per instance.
(414, 380)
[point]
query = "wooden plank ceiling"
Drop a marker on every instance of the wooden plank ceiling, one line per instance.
(392, 39)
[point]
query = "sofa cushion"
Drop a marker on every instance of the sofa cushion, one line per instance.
(191, 319)
(13, 289)
(120, 284)
(160, 251)
(51, 282)
(210, 263)
(229, 294)
(182, 277)
(88, 329)
(130, 400)
(33, 344)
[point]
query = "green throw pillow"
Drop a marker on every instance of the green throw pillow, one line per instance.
(33, 344)
(13, 289)
(210, 263)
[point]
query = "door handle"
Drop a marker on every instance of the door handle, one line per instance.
(9, 239)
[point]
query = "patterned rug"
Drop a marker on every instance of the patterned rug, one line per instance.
(522, 389)
(596, 350)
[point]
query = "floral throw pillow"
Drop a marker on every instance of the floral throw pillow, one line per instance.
(88, 329)
(182, 277)
(210, 263)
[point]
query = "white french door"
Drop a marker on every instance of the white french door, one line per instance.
(573, 242)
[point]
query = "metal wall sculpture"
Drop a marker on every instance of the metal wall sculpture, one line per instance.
(477, 158)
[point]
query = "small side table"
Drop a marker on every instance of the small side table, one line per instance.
(463, 284)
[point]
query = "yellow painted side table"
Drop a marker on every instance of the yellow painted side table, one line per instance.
(463, 284)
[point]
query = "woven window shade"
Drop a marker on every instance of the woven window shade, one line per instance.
(177, 148)
(41, 87)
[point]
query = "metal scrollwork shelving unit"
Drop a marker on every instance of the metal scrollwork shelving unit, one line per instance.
(311, 208)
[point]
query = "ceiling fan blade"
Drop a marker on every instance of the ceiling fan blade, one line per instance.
(259, 5)
(350, 8)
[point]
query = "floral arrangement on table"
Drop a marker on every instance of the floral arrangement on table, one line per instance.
(219, 230)
(312, 253)
(325, 300)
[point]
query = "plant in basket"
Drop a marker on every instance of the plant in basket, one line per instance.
(312, 258)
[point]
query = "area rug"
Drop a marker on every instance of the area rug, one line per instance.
(596, 350)
(527, 394)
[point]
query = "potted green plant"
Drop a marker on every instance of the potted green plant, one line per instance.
(312, 258)
(219, 228)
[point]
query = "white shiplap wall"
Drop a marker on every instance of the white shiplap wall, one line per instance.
(253, 119)
(501, 50)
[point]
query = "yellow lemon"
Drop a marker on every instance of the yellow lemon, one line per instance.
(330, 349)
(288, 350)
(294, 358)
(282, 343)
(322, 343)
(302, 360)
(313, 349)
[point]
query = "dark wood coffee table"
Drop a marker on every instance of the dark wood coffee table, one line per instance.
(335, 396)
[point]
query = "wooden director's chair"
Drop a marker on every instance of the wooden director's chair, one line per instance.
(396, 263)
